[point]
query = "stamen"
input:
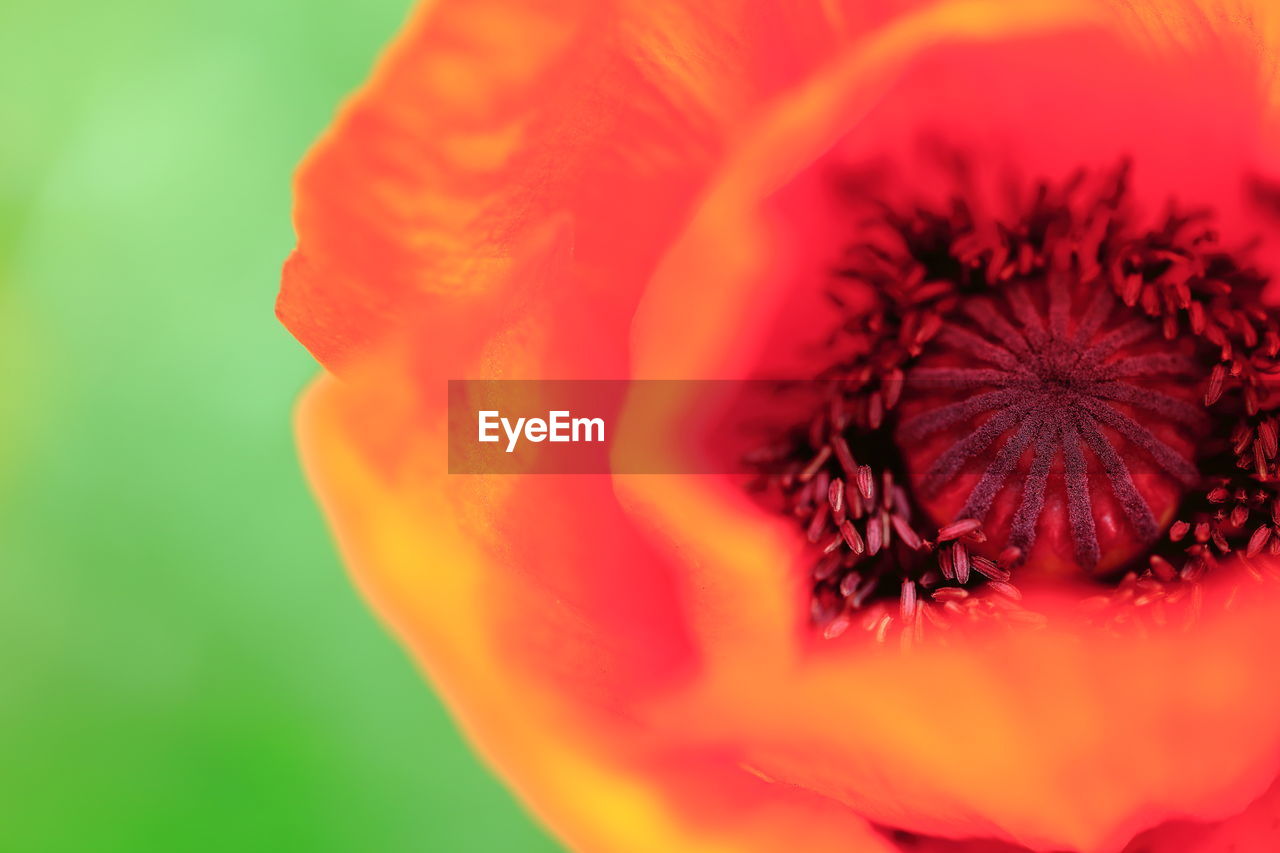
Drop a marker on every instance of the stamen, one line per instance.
(1010, 355)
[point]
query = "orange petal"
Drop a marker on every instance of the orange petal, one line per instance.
(559, 730)
(1164, 87)
(1061, 739)
(487, 121)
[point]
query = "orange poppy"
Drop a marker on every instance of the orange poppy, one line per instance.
(662, 190)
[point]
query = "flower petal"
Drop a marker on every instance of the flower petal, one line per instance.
(1162, 86)
(1255, 830)
(1057, 738)
(489, 119)
(561, 728)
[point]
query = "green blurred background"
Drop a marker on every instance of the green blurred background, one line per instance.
(183, 664)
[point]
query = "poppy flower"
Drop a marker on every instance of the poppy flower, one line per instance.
(1009, 583)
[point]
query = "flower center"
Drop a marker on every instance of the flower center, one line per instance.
(1060, 391)
(1068, 430)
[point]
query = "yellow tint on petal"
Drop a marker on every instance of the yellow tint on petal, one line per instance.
(599, 787)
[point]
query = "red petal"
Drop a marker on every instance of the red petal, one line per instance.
(489, 123)
(1056, 738)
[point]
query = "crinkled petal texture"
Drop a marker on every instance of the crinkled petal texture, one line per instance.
(614, 190)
